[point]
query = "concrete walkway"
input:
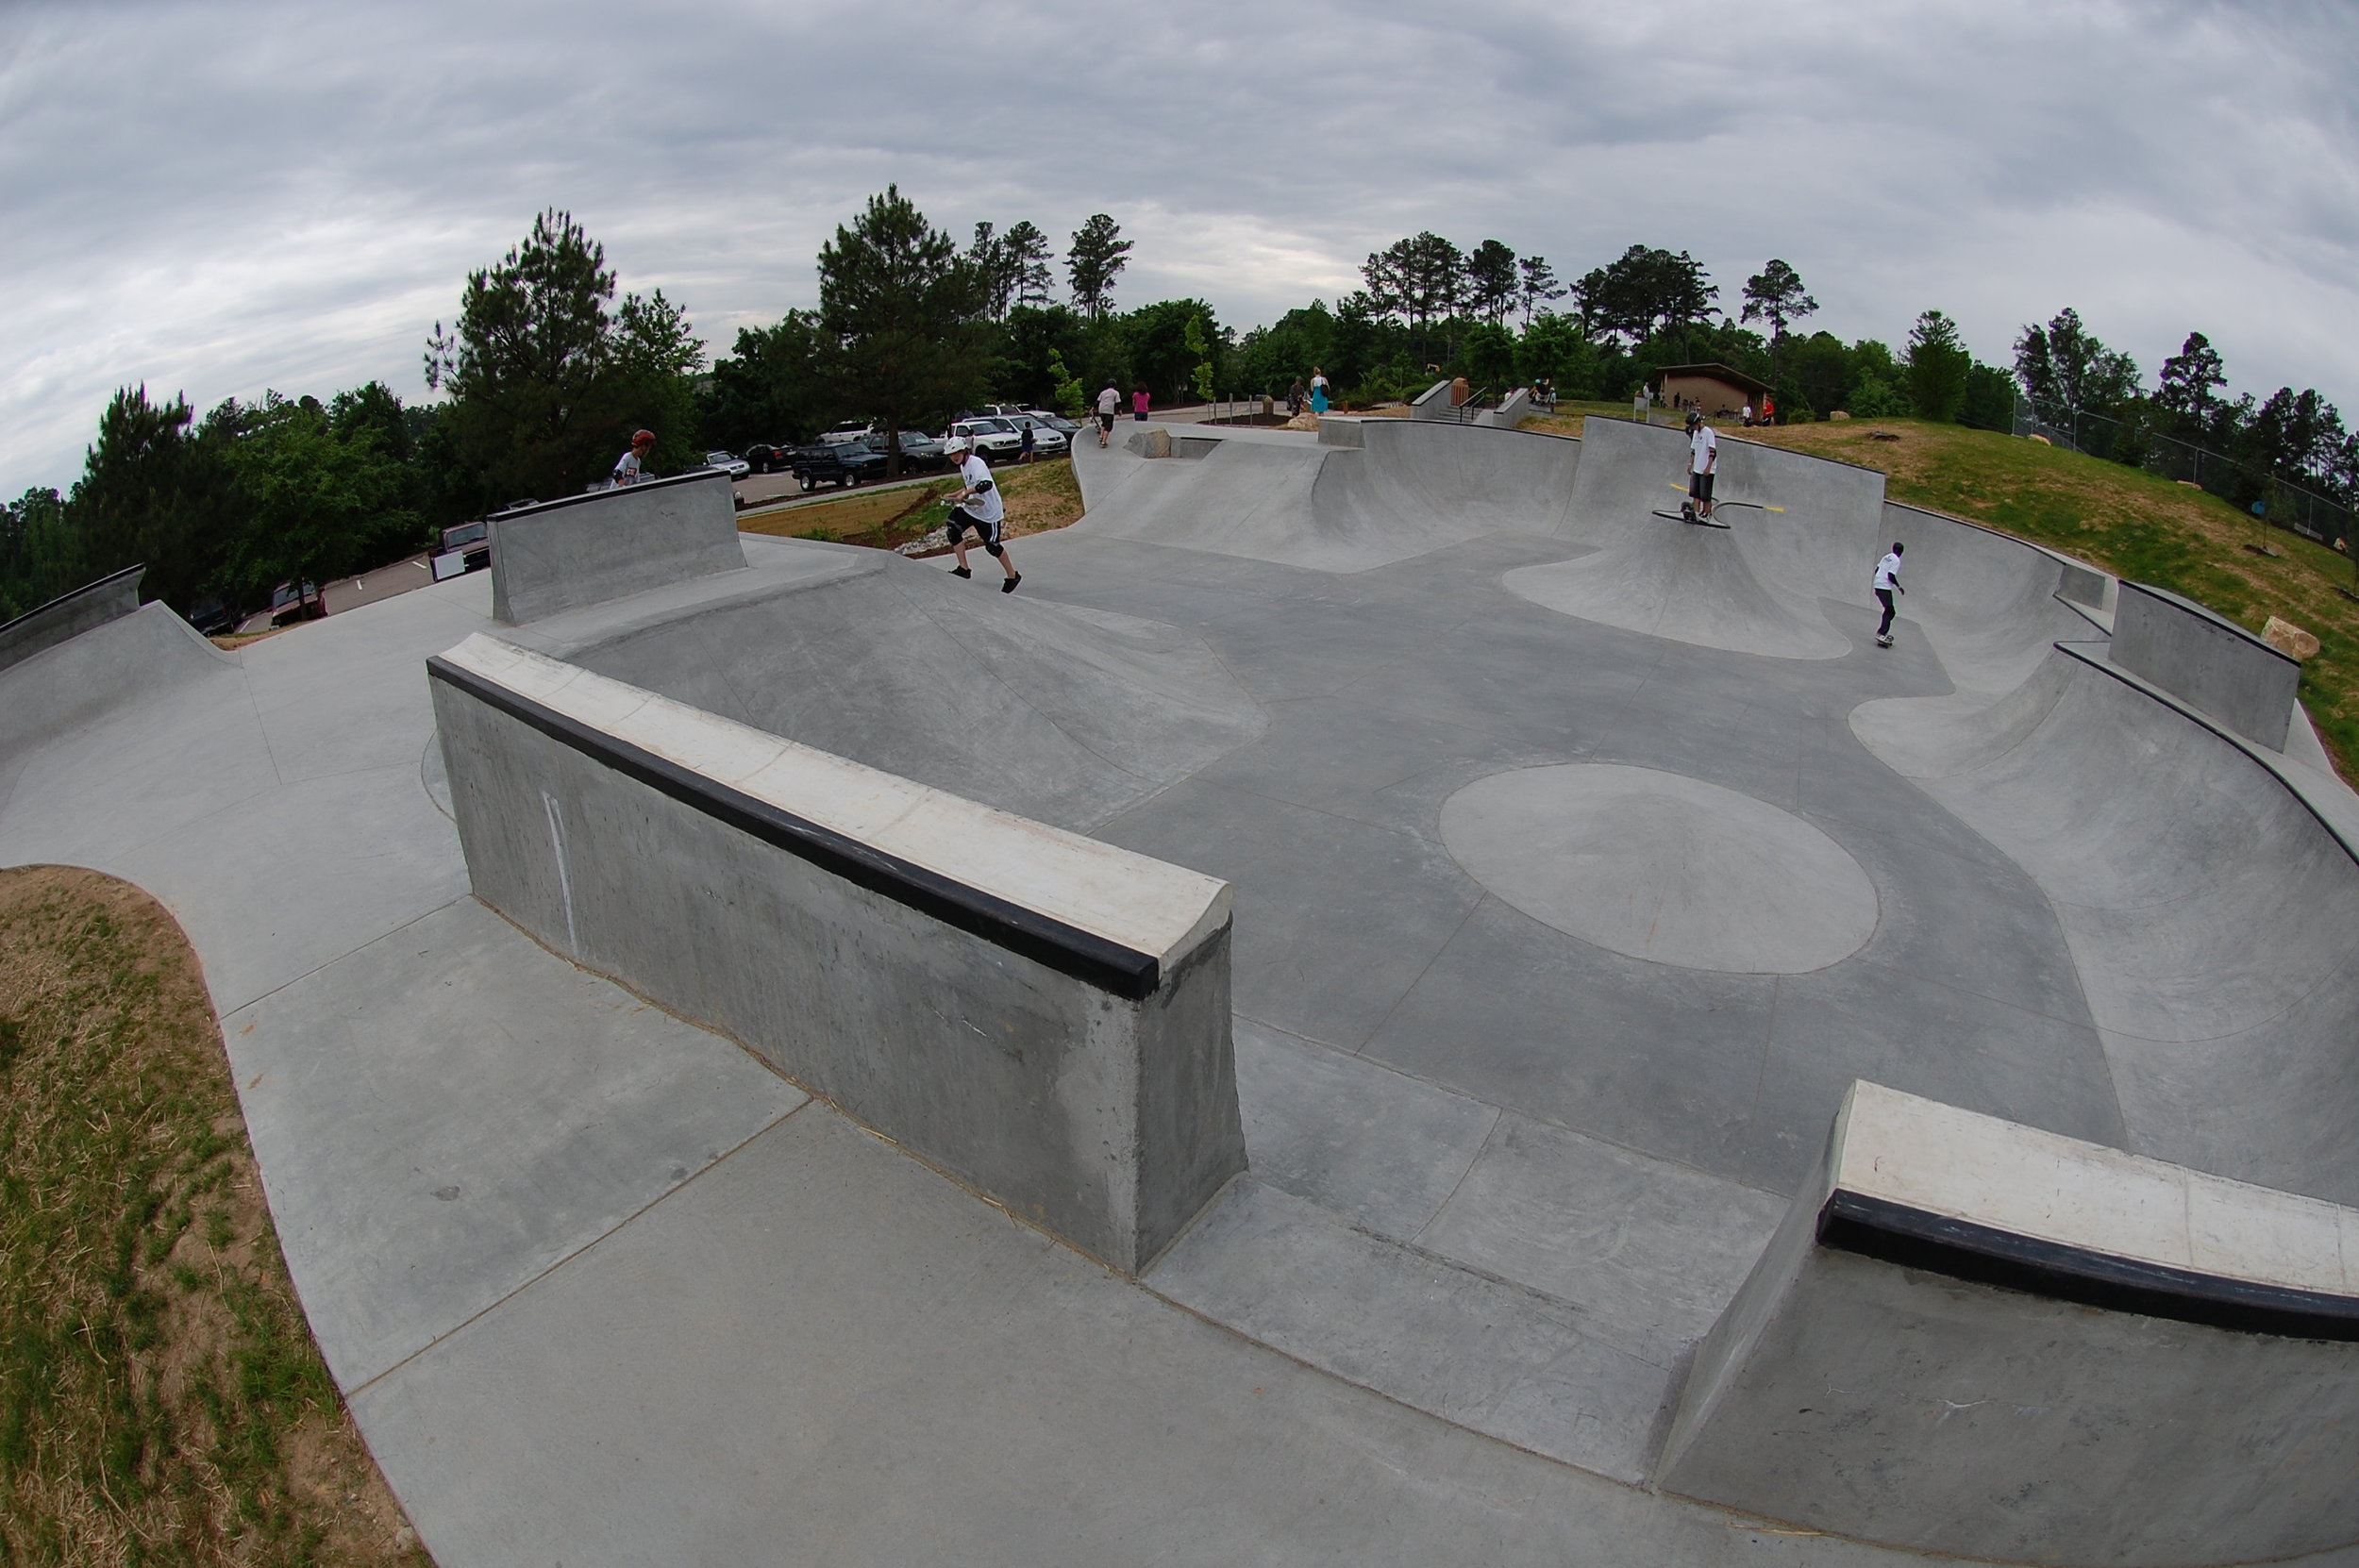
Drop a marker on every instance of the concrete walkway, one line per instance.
(602, 1289)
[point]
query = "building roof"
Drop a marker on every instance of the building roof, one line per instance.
(1734, 376)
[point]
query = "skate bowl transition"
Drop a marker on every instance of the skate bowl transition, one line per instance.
(1395, 898)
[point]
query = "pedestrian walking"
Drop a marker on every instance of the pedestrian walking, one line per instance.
(1024, 454)
(976, 505)
(1138, 404)
(1109, 405)
(1296, 395)
(1704, 462)
(631, 467)
(1887, 584)
(1318, 391)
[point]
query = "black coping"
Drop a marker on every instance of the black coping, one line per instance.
(1067, 949)
(69, 596)
(1911, 1238)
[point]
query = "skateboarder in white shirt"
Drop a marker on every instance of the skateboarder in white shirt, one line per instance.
(1887, 584)
(978, 506)
(1703, 458)
(1109, 405)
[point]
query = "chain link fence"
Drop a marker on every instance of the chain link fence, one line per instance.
(2270, 499)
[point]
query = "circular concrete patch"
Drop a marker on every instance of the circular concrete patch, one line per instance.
(1661, 866)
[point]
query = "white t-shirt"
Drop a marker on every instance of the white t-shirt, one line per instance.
(975, 473)
(1702, 448)
(1888, 571)
(1317, 382)
(1748, 413)
(1109, 401)
(627, 468)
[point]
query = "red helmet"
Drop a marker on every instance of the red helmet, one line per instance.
(645, 438)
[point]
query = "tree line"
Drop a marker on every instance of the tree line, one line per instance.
(545, 372)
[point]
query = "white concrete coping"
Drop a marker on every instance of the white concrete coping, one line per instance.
(1940, 1160)
(1146, 904)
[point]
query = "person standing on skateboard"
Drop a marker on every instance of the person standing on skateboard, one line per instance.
(1704, 460)
(1887, 584)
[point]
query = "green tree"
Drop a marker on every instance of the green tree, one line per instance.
(1937, 367)
(155, 492)
(1488, 357)
(1270, 359)
(546, 385)
(775, 386)
(1196, 344)
(40, 553)
(1422, 279)
(1491, 281)
(315, 499)
(1775, 294)
(1067, 395)
(2187, 388)
(1098, 256)
(904, 309)
(2064, 367)
(1989, 402)
(1157, 342)
(1537, 285)
(1025, 250)
(1555, 350)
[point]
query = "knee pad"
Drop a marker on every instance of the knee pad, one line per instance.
(992, 549)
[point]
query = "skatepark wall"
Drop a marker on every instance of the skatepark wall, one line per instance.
(109, 598)
(2208, 660)
(1975, 1338)
(587, 549)
(1042, 1016)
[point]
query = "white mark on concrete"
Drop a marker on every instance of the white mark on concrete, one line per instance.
(564, 877)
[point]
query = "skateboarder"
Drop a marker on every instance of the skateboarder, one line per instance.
(628, 468)
(978, 506)
(1887, 584)
(1108, 404)
(1704, 460)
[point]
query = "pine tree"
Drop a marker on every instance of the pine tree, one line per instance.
(1098, 255)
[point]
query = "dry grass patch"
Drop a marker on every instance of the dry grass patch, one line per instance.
(1571, 416)
(160, 1397)
(861, 513)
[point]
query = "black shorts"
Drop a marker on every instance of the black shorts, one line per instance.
(1700, 486)
(1105, 421)
(960, 520)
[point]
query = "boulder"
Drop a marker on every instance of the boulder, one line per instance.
(2288, 639)
(2042, 440)
(1838, 415)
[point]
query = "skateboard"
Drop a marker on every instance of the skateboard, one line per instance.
(1687, 514)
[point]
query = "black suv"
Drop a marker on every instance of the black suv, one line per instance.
(843, 462)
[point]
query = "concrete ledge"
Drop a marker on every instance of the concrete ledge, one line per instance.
(1433, 403)
(1338, 430)
(1042, 1015)
(1976, 1338)
(2212, 662)
(586, 549)
(109, 598)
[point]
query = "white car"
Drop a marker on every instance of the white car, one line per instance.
(729, 464)
(995, 438)
(1046, 439)
(850, 429)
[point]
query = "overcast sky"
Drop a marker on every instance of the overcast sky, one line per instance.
(219, 198)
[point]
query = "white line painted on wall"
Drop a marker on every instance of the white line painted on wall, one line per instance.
(564, 877)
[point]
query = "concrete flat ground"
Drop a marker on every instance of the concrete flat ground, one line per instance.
(1557, 940)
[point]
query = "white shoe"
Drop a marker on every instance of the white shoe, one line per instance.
(1883, 642)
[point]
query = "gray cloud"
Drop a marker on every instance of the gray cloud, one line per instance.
(220, 198)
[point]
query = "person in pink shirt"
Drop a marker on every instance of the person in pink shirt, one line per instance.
(1138, 404)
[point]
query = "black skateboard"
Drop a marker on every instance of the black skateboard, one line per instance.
(1687, 514)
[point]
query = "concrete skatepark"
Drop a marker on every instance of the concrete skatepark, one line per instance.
(1563, 871)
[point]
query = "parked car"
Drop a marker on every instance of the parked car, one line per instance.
(465, 547)
(850, 429)
(1046, 439)
(995, 438)
(729, 464)
(1058, 422)
(920, 452)
(290, 603)
(836, 462)
(770, 457)
(213, 618)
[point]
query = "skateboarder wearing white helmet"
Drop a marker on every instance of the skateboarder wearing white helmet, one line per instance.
(978, 506)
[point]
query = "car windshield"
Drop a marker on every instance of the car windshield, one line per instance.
(720, 456)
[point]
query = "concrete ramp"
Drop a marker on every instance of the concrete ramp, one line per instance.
(119, 660)
(2213, 918)
(1063, 714)
(1691, 584)
(1397, 490)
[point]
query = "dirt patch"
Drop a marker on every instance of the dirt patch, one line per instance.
(850, 518)
(1039, 496)
(160, 1397)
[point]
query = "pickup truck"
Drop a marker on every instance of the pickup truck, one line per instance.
(844, 463)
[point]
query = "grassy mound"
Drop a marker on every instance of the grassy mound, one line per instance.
(1039, 496)
(160, 1399)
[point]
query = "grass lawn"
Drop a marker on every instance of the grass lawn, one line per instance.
(160, 1397)
(857, 514)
